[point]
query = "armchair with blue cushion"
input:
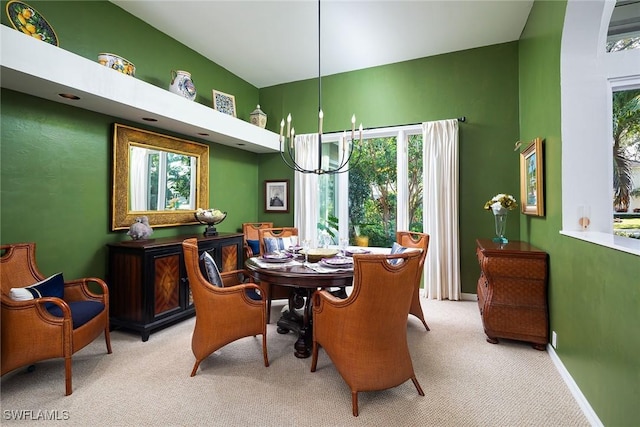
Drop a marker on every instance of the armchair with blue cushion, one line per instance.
(227, 307)
(45, 318)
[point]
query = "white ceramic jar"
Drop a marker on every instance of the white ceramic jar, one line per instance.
(182, 84)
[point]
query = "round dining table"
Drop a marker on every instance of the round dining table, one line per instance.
(303, 279)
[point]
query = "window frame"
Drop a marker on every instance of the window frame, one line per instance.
(588, 77)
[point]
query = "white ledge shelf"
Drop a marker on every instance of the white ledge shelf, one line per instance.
(40, 69)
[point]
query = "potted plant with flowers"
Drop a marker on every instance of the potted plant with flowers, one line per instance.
(500, 205)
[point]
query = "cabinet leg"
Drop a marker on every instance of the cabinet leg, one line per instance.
(540, 347)
(492, 340)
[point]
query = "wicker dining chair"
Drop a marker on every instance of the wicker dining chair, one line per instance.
(365, 335)
(224, 313)
(412, 239)
(271, 291)
(252, 238)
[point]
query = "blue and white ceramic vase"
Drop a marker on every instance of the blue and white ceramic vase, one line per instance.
(182, 84)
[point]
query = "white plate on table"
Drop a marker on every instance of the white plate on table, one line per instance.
(337, 262)
(277, 257)
(356, 251)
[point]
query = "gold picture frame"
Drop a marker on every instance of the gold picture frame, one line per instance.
(224, 103)
(126, 141)
(532, 179)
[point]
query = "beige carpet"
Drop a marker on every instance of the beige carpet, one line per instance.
(467, 382)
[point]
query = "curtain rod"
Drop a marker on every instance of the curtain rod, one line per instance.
(462, 119)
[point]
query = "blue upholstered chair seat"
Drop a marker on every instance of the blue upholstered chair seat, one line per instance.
(81, 311)
(251, 293)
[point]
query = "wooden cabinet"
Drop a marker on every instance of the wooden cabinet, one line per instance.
(147, 279)
(512, 292)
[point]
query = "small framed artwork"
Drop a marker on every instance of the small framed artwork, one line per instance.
(276, 196)
(531, 179)
(224, 103)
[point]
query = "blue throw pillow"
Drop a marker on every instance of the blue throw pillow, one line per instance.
(50, 287)
(254, 245)
(396, 249)
(272, 244)
(211, 269)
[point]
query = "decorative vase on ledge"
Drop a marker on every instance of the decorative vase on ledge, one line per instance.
(182, 84)
(500, 217)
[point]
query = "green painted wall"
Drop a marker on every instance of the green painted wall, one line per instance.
(594, 297)
(56, 160)
(481, 84)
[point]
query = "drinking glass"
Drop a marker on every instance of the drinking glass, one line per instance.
(294, 241)
(343, 246)
(306, 245)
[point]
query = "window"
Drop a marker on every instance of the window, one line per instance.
(624, 26)
(382, 191)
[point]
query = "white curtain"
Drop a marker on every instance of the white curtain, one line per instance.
(440, 166)
(305, 215)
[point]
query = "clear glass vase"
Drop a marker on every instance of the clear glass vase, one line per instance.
(500, 217)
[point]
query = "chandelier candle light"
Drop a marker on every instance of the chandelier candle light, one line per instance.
(347, 146)
(501, 204)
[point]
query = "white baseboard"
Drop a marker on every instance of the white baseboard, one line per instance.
(468, 297)
(463, 296)
(588, 411)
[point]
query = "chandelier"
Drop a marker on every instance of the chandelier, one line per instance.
(287, 140)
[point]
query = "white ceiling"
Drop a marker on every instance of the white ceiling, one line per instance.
(270, 42)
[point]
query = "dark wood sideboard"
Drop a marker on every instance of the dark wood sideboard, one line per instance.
(512, 292)
(147, 279)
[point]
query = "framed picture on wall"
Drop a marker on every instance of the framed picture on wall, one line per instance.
(532, 179)
(276, 196)
(224, 103)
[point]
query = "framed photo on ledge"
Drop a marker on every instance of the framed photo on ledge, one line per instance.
(276, 196)
(532, 179)
(224, 103)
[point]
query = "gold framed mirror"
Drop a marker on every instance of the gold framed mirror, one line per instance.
(161, 177)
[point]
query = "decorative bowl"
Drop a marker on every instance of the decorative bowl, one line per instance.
(210, 217)
(315, 255)
(117, 63)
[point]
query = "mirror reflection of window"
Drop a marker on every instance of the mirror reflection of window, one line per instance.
(161, 180)
(177, 186)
